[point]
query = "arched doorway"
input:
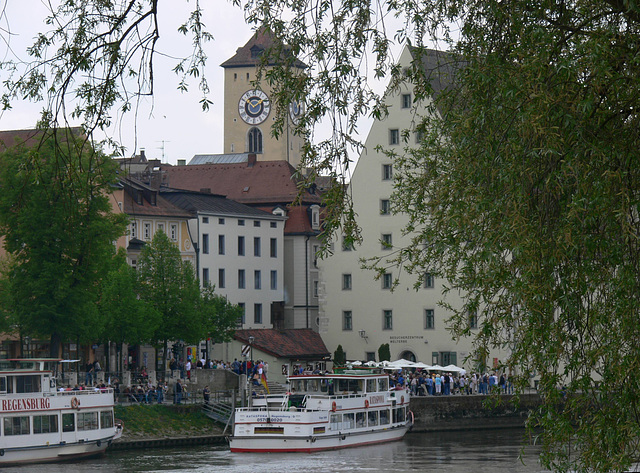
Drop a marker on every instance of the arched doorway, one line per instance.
(408, 355)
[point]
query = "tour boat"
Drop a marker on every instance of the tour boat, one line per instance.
(40, 423)
(323, 412)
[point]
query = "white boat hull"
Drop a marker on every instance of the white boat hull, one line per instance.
(53, 453)
(311, 444)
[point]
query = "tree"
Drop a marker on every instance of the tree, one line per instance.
(59, 230)
(384, 352)
(127, 318)
(169, 285)
(339, 357)
(219, 315)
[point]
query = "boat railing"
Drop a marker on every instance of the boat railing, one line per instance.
(84, 392)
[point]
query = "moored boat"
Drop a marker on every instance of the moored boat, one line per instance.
(40, 423)
(323, 412)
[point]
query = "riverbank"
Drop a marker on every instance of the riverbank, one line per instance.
(165, 426)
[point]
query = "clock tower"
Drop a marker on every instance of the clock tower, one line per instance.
(249, 112)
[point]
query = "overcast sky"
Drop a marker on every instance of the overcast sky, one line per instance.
(171, 120)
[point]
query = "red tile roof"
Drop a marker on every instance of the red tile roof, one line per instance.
(271, 182)
(295, 344)
(32, 138)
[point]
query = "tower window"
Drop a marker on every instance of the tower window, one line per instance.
(255, 141)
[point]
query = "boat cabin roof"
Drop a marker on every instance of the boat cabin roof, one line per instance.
(29, 364)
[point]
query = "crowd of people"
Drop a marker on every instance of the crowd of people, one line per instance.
(424, 383)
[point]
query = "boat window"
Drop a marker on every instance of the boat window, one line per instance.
(384, 416)
(373, 418)
(45, 424)
(16, 425)
(28, 384)
(371, 385)
(87, 421)
(323, 385)
(349, 421)
(312, 385)
(268, 430)
(106, 419)
(361, 419)
(383, 384)
(68, 422)
(400, 414)
(3, 384)
(336, 421)
(296, 385)
(348, 386)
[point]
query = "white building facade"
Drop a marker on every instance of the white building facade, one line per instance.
(362, 313)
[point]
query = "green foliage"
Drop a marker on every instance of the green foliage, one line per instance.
(127, 317)
(58, 227)
(384, 352)
(339, 357)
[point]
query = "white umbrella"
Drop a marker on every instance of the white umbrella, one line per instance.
(437, 368)
(422, 365)
(454, 368)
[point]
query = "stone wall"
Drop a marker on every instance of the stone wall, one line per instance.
(460, 412)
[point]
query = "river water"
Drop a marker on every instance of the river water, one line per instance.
(474, 451)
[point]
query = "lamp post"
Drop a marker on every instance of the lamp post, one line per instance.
(251, 339)
(249, 381)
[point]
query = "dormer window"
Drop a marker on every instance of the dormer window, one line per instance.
(256, 51)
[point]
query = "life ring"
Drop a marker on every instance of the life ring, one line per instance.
(334, 406)
(366, 403)
(74, 402)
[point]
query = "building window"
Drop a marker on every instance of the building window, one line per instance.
(370, 355)
(274, 224)
(316, 250)
(257, 279)
(387, 320)
(347, 320)
(387, 172)
(419, 137)
(346, 244)
(205, 276)
(220, 221)
(273, 247)
(241, 279)
(134, 229)
(256, 246)
(221, 278)
(315, 288)
(257, 313)
(256, 223)
(255, 141)
(161, 227)
(406, 100)
(274, 280)
(205, 243)
(346, 282)
(205, 219)
(473, 320)
(220, 244)
(315, 217)
(241, 223)
(242, 318)
(428, 281)
(387, 281)
(429, 319)
(394, 136)
(385, 207)
(174, 232)
(147, 231)
(386, 241)
(240, 246)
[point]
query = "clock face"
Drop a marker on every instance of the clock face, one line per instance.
(296, 109)
(254, 107)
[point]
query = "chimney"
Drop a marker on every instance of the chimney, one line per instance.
(252, 160)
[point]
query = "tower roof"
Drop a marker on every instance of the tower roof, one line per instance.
(251, 53)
